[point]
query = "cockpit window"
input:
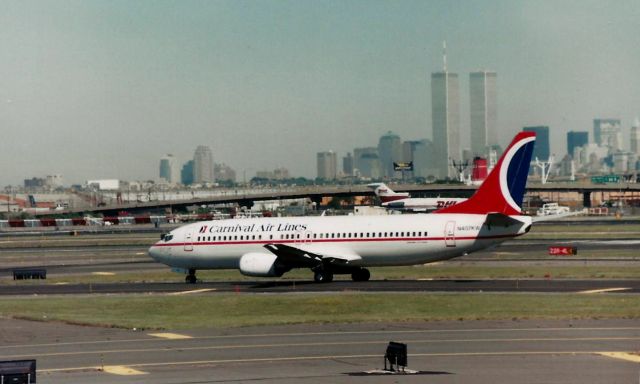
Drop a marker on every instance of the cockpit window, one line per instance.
(168, 237)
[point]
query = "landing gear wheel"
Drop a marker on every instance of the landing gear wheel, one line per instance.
(191, 277)
(361, 274)
(323, 276)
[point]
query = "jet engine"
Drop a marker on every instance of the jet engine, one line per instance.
(261, 265)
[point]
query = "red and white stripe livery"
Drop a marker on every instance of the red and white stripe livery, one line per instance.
(349, 244)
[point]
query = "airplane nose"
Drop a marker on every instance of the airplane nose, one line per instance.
(155, 253)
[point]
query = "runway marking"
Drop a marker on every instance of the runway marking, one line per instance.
(295, 334)
(122, 370)
(605, 290)
(634, 357)
(190, 292)
(103, 273)
(170, 336)
(312, 344)
(331, 357)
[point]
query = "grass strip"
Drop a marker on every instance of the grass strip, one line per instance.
(232, 310)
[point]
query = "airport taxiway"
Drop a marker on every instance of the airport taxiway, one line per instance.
(78, 259)
(575, 351)
(291, 286)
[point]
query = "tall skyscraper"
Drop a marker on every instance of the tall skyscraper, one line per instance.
(203, 165)
(169, 169)
(445, 116)
(423, 164)
(223, 172)
(370, 166)
(186, 174)
(576, 139)
(409, 149)
(327, 165)
(635, 137)
(389, 150)
(482, 105)
(608, 133)
(347, 164)
(541, 150)
(366, 162)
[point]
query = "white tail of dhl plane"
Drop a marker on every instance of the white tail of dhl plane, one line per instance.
(402, 201)
(270, 247)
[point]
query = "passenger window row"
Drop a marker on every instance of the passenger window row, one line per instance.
(287, 236)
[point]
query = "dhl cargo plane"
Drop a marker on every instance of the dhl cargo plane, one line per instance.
(402, 201)
(269, 247)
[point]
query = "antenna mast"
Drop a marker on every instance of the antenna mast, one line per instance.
(444, 55)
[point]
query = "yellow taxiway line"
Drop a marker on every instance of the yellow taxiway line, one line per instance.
(121, 370)
(330, 333)
(333, 357)
(170, 336)
(605, 290)
(317, 344)
(190, 292)
(634, 357)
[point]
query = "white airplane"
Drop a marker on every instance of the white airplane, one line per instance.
(403, 202)
(269, 247)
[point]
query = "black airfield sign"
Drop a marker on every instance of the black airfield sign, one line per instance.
(403, 166)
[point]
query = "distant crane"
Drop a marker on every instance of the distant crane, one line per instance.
(545, 168)
(460, 168)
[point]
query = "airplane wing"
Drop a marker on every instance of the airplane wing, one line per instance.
(299, 257)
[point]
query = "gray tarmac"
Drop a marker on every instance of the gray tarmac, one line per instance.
(291, 286)
(536, 351)
(78, 259)
(576, 351)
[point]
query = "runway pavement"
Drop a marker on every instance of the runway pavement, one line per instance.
(594, 351)
(590, 351)
(289, 286)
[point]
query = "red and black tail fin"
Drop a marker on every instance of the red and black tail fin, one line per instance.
(503, 190)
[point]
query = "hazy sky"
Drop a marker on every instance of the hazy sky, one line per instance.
(102, 89)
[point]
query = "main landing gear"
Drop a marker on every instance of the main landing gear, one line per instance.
(325, 275)
(361, 274)
(191, 277)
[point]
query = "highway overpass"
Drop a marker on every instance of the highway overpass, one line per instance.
(317, 193)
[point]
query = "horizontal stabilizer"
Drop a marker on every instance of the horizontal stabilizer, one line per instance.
(501, 220)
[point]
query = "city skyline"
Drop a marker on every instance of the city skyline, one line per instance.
(101, 89)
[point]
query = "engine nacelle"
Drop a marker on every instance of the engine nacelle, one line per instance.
(261, 265)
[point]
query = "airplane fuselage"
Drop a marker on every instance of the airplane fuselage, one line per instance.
(362, 240)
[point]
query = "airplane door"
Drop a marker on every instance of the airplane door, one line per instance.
(188, 242)
(450, 234)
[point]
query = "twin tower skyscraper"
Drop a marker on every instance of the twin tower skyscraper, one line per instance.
(445, 117)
